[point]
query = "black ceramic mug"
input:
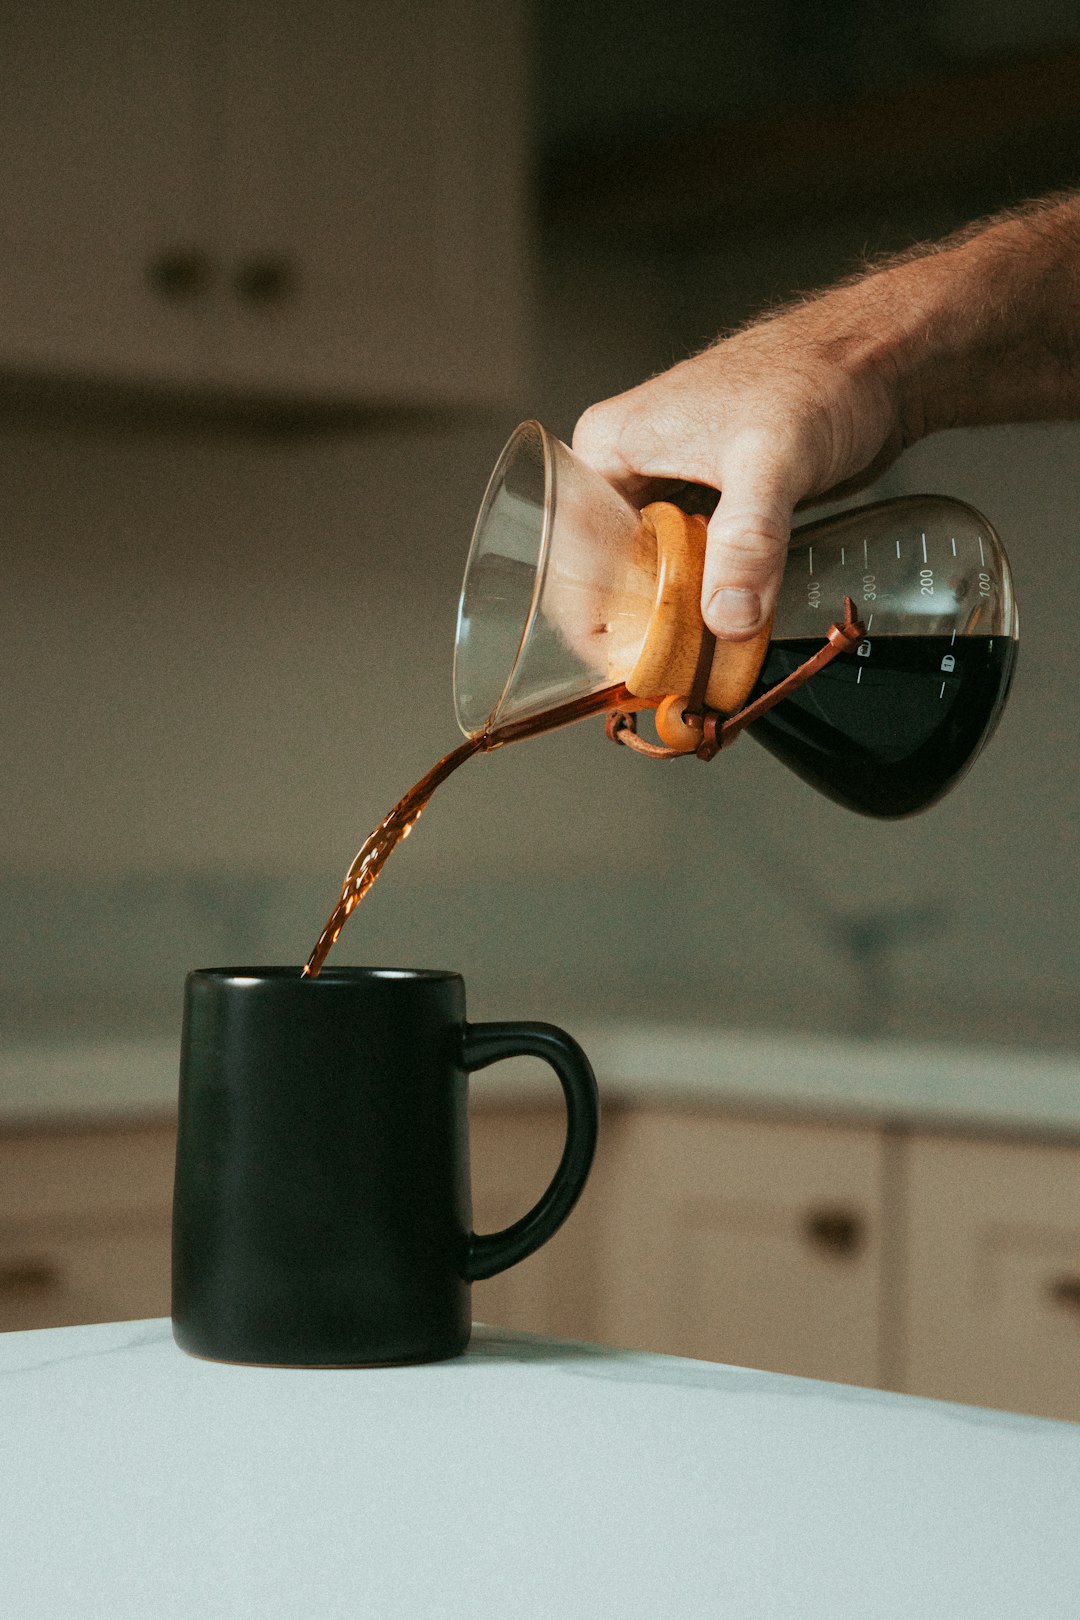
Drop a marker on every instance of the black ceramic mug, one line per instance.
(322, 1214)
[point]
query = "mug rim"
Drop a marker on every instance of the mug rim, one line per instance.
(345, 974)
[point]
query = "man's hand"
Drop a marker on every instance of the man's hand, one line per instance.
(816, 401)
(779, 413)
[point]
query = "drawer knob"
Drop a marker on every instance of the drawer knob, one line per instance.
(834, 1230)
(265, 282)
(180, 275)
(28, 1276)
(1065, 1291)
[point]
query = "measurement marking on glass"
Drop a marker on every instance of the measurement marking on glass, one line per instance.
(858, 677)
(898, 548)
(841, 556)
(982, 557)
(991, 646)
(954, 545)
(811, 559)
(865, 558)
(941, 694)
(952, 638)
(924, 548)
(869, 622)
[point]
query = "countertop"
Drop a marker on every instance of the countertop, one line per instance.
(898, 1083)
(528, 1478)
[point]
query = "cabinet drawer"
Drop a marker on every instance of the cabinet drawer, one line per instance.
(115, 1274)
(992, 1289)
(749, 1242)
(321, 202)
(84, 1225)
(514, 1154)
(85, 1176)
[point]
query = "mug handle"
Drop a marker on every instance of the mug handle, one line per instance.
(491, 1252)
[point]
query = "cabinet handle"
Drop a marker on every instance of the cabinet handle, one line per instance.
(264, 282)
(180, 275)
(834, 1230)
(28, 1276)
(1065, 1291)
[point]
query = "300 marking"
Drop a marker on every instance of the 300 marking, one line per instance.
(869, 587)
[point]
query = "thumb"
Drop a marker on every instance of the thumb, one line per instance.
(745, 554)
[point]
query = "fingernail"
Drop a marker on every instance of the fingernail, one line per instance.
(731, 611)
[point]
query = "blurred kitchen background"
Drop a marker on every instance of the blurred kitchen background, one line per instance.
(276, 282)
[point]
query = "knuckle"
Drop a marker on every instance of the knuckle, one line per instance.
(755, 540)
(593, 430)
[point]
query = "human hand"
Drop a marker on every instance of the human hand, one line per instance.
(799, 407)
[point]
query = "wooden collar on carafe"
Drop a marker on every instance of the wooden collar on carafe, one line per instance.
(680, 655)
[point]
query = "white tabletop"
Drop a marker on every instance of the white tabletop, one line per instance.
(527, 1479)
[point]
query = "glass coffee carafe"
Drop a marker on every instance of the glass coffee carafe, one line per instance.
(879, 680)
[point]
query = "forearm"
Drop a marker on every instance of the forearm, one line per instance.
(816, 400)
(984, 327)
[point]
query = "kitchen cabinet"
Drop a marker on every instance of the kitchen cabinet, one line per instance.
(369, 199)
(748, 1241)
(928, 1262)
(991, 1297)
(103, 146)
(260, 200)
(84, 1224)
(514, 1152)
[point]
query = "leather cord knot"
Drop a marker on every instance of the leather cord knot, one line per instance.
(720, 731)
(621, 727)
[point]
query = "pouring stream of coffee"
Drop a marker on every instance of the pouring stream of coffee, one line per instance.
(398, 824)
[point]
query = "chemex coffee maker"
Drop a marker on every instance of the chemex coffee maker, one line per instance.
(879, 680)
